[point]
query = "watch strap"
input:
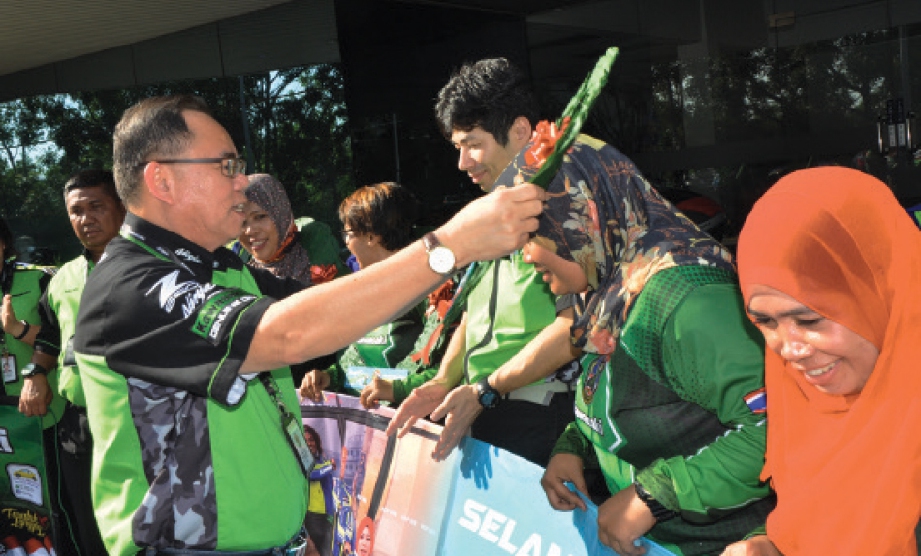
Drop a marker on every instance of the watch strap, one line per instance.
(432, 246)
(33, 369)
(488, 396)
(430, 241)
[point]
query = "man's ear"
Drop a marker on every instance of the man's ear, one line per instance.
(520, 133)
(159, 182)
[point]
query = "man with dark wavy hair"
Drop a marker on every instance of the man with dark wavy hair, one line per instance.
(506, 373)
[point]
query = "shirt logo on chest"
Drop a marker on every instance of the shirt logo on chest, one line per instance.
(592, 377)
(172, 291)
(187, 255)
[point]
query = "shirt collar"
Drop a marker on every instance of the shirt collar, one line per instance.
(177, 248)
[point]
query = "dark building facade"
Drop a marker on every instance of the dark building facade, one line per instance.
(717, 97)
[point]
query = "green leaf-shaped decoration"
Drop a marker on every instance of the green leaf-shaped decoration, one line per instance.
(577, 111)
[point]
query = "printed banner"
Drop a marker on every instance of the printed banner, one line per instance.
(25, 523)
(387, 497)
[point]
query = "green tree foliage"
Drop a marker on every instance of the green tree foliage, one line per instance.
(301, 137)
(295, 118)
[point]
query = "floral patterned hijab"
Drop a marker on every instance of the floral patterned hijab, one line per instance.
(290, 260)
(606, 217)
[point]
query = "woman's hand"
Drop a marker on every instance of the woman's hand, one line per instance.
(378, 390)
(623, 519)
(755, 546)
(561, 469)
(313, 385)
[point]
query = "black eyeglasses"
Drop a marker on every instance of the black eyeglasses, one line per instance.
(230, 167)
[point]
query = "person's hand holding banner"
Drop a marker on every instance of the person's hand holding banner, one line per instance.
(562, 469)
(459, 409)
(313, 385)
(622, 520)
(418, 405)
(378, 390)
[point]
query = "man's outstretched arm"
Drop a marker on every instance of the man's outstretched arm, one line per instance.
(324, 318)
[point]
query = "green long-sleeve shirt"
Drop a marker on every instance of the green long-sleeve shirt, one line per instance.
(668, 409)
(384, 347)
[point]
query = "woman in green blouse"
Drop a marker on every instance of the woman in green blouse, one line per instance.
(377, 222)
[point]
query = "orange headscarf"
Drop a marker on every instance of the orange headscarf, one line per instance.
(847, 470)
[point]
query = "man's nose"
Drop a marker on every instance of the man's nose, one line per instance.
(464, 162)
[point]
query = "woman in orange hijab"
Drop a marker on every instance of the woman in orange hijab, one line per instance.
(830, 268)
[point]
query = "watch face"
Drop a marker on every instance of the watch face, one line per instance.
(489, 398)
(441, 260)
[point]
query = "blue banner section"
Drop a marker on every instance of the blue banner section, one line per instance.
(499, 507)
(481, 500)
(587, 524)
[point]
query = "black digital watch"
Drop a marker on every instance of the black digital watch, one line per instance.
(488, 396)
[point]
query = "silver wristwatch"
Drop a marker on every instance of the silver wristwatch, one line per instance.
(441, 259)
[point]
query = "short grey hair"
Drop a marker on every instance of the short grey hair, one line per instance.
(152, 127)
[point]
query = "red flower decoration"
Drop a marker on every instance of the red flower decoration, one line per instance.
(440, 299)
(320, 273)
(543, 140)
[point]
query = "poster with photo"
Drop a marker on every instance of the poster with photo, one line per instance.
(388, 497)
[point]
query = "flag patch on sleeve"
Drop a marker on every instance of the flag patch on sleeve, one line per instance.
(757, 401)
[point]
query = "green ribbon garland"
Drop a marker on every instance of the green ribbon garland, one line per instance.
(577, 111)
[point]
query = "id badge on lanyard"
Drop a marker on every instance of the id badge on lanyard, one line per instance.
(296, 439)
(290, 425)
(8, 360)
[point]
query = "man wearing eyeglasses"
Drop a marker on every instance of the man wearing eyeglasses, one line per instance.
(184, 350)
